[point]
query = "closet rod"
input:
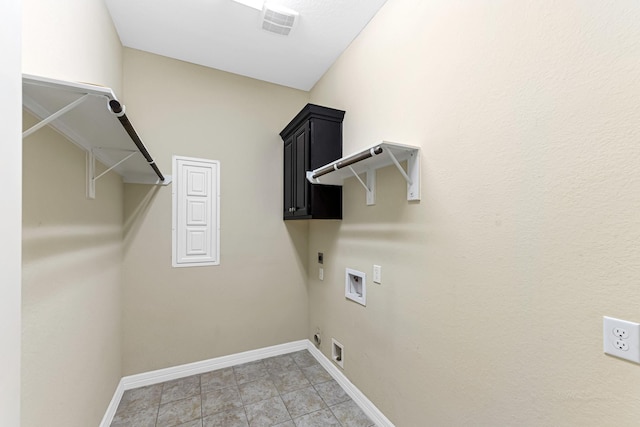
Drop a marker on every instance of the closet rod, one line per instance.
(348, 162)
(118, 110)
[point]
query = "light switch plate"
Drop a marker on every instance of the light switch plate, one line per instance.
(377, 274)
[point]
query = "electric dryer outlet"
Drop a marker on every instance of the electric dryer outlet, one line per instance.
(621, 338)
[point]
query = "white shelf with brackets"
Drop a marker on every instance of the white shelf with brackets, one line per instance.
(91, 117)
(367, 161)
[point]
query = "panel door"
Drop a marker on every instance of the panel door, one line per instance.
(288, 177)
(300, 183)
(196, 212)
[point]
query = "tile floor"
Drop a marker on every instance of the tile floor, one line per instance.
(292, 390)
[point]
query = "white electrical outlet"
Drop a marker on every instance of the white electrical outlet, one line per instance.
(321, 273)
(621, 338)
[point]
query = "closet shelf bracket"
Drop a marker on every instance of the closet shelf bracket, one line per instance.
(368, 161)
(42, 123)
(91, 117)
(91, 168)
(402, 172)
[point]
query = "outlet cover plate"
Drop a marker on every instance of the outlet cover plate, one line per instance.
(621, 338)
(377, 274)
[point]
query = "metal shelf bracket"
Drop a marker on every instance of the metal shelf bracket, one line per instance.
(368, 161)
(78, 112)
(370, 186)
(91, 168)
(42, 123)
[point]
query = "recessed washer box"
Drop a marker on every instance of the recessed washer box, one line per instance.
(355, 287)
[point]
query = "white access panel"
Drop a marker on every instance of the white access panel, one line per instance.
(196, 212)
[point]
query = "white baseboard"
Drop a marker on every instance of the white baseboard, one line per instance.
(181, 371)
(361, 400)
(113, 406)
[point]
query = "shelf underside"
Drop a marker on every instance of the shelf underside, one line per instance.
(90, 125)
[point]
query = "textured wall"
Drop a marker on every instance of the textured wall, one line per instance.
(72, 247)
(257, 296)
(71, 40)
(72, 283)
(11, 174)
(495, 284)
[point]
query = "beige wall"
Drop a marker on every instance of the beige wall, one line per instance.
(72, 283)
(10, 216)
(257, 296)
(71, 40)
(495, 284)
(72, 246)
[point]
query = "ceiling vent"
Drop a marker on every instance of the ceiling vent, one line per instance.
(278, 19)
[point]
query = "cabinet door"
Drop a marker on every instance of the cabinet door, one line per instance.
(300, 183)
(288, 177)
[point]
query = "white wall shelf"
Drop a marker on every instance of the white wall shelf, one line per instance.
(367, 161)
(91, 117)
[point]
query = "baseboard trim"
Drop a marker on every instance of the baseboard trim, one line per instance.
(361, 400)
(181, 371)
(113, 405)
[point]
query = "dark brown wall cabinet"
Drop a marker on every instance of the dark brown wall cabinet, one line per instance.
(312, 139)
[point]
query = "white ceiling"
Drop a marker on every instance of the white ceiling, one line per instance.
(227, 35)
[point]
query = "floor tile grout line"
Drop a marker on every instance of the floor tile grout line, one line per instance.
(336, 417)
(244, 407)
(284, 404)
(201, 402)
(310, 385)
(271, 374)
(287, 409)
(159, 403)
